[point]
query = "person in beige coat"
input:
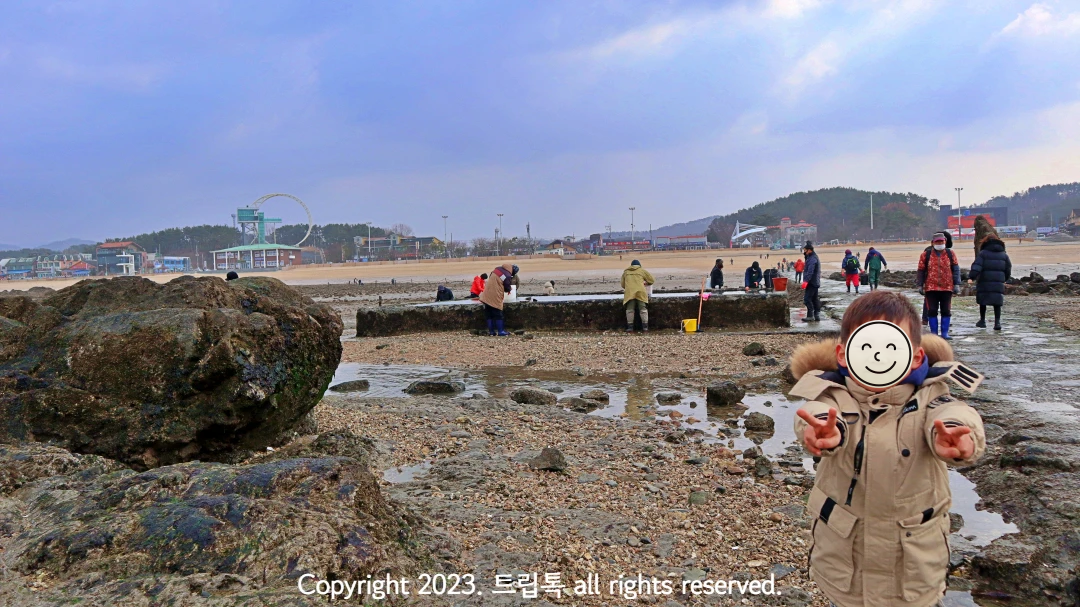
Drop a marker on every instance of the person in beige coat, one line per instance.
(635, 283)
(493, 296)
(880, 502)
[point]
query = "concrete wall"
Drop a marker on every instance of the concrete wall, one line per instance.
(719, 312)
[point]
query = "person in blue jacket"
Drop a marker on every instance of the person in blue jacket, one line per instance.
(991, 270)
(811, 283)
(752, 277)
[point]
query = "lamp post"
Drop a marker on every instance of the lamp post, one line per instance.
(499, 243)
(959, 225)
(871, 214)
(445, 245)
(632, 229)
(369, 241)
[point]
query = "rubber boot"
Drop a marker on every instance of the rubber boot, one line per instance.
(500, 327)
(933, 325)
(491, 327)
(945, 321)
(997, 318)
(629, 328)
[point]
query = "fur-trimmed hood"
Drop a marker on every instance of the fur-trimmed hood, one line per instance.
(821, 355)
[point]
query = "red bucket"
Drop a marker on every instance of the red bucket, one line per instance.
(779, 284)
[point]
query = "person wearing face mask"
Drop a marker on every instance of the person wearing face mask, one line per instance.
(938, 279)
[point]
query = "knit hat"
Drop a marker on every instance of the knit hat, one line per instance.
(847, 252)
(809, 245)
(635, 263)
(939, 237)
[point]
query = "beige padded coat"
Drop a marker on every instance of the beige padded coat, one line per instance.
(880, 503)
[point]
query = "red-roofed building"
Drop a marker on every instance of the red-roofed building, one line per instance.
(124, 257)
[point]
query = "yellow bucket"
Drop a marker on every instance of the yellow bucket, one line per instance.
(689, 325)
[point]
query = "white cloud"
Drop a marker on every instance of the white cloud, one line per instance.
(137, 76)
(820, 62)
(1040, 20)
(652, 39)
(790, 9)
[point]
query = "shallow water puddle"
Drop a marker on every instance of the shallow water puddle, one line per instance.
(635, 397)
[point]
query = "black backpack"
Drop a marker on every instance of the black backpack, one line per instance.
(852, 263)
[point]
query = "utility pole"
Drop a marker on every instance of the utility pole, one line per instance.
(446, 245)
(652, 243)
(369, 241)
(871, 213)
(528, 236)
(632, 228)
(959, 225)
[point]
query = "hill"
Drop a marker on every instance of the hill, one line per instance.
(1036, 206)
(840, 213)
(63, 245)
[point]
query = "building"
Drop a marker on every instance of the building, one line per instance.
(1000, 215)
(173, 264)
(1072, 223)
(795, 234)
(82, 268)
(259, 256)
(625, 245)
(18, 267)
(689, 242)
(397, 246)
(50, 266)
(557, 247)
(124, 257)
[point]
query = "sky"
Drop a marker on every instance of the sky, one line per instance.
(121, 117)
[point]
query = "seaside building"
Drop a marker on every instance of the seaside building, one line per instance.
(259, 256)
(123, 257)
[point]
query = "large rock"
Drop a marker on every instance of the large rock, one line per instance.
(725, 393)
(435, 386)
(533, 396)
(759, 422)
(103, 534)
(152, 374)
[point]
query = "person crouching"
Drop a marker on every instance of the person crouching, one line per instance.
(477, 286)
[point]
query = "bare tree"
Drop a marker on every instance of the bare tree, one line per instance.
(401, 229)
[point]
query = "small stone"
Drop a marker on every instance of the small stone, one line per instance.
(597, 395)
(694, 575)
(700, 498)
(355, 385)
(724, 393)
(735, 470)
(633, 542)
(530, 362)
(956, 522)
(587, 478)
(551, 459)
(460, 434)
(652, 488)
(698, 461)
(776, 517)
(668, 398)
(754, 349)
(382, 346)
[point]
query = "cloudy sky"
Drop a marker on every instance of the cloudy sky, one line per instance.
(121, 117)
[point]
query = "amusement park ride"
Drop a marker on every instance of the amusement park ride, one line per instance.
(253, 222)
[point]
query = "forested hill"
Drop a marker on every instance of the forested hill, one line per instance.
(840, 213)
(1043, 201)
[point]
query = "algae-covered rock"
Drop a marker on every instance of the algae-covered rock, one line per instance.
(533, 396)
(152, 374)
(105, 534)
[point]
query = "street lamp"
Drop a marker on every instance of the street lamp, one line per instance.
(499, 243)
(632, 228)
(445, 245)
(368, 240)
(871, 214)
(959, 224)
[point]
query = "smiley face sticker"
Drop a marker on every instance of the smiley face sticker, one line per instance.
(879, 354)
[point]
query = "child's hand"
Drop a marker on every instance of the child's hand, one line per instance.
(819, 434)
(953, 443)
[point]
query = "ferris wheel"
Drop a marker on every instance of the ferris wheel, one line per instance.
(253, 222)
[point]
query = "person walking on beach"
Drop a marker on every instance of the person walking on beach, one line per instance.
(874, 262)
(991, 270)
(850, 266)
(811, 283)
(938, 279)
(498, 285)
(635, 283)
(716, 276)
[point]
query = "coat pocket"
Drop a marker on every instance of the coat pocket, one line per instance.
(925, 544)
(832, 558)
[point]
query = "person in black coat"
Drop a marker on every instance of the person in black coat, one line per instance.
(752, 277)
(992, 268)
(716, 276)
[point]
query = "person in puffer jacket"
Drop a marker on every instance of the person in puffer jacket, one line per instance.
(938, 279)
(991, 270)
(879, 508)
(850, 266)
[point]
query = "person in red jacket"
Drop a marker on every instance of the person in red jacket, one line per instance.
(799, 266)
(938, 279)
(477, 286)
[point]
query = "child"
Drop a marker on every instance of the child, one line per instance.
(880, 503)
